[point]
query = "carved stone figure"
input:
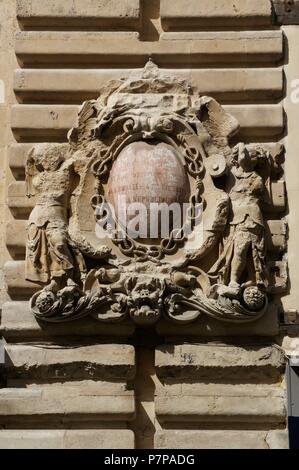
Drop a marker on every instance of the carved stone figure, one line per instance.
(51, 256)
(244, 247)
(152, 139)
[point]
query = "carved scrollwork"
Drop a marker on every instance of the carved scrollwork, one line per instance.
(225, 260)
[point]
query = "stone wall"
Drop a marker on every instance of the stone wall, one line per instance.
(93, 385)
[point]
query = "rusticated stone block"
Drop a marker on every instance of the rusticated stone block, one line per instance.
(261, 83)
(16, 238)
(17, 155)
(279, 195)
(194, 361)
(222, 408)
(102, 361)
(67, 13)
(67, 439)
(121, 48)
(70, 402)
(277, 235)
(194, 13)
(17, 322)
(220, 384)
(212, 439)
(75, 86)
(17, 158)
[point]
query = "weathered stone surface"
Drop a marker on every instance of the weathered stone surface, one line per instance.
(221, 407)
(46, 122)
(67, 14)
(66, 86)
(278, 235)
(278, 439)
(16, 238)
(1, 355)
(15, 280)
(279, 195)
(77, 54)
(226, 439)
(213, 386)
(69, 439)
(259, 89)
(188, 361)
(291, 301)
(290, 344)
(17, 156)
(286, 11)
(124, 48)
(49, 121)
(145, 181)
(194, 13)
(17, 153)
(268, 325)
(65, 401)
(219, 384)
(103, 361)
(269, 41)
(17, 201)
(253, 119)
(18, 322)
(150, 105)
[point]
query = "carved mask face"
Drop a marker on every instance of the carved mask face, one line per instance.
(147, 291)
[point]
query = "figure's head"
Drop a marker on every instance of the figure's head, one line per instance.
(244, 157)
(258, 154)
(247, 160)
(248, 157)
(47, 157)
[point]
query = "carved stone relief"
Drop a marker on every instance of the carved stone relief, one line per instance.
(152, 140)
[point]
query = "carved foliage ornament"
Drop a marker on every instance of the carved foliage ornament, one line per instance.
(151, 141)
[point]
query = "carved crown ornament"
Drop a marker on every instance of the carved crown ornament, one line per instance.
(151, 145)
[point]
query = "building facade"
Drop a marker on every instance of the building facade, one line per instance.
(179, 340)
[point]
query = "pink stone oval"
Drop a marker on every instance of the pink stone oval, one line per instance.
(147, 173)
